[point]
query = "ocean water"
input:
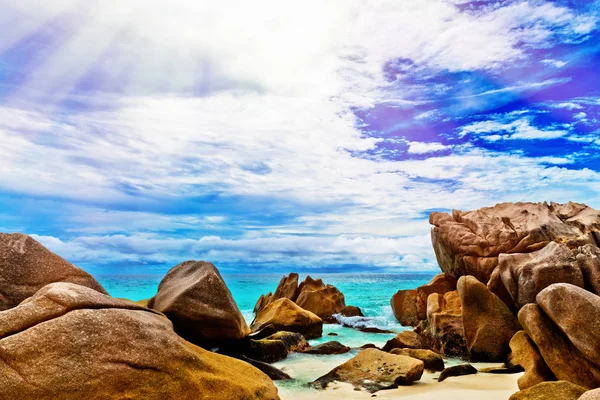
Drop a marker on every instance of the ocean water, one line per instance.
(370, 292)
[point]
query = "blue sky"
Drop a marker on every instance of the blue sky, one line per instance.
(272, 136)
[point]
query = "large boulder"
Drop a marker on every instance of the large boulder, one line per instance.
(469, 243)
(444, 331)
(588, 259)
(410, 306)
(524, 352)
(26, 266)
(561, 390)
(285, 315)
(195, 298)
(591, 395)
(432, 361)
(405, 307)
(564, 360)
(287, 288)
(488, 323)
(72, 342)
(524, 275)
(576, 312)
(374, 370)
(320, 299)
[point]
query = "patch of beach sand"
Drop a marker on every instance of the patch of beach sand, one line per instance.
(481, 386)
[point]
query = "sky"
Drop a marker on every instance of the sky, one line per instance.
(277, 136)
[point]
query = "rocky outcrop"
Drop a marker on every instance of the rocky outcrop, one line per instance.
(26, 266)
(552, 324)
(469, 243)
(443, 331)
(488, 323)
(525, 353)
(72, 342)
(524, 275)
(374, 370)
(195, 298)
(311, 294)
(457, 370)
(320, 299)
(332, 347)
(410, 306)
(560, 390)
(285, 315)
(432, 361)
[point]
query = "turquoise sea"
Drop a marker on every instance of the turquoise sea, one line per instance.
(370, 292)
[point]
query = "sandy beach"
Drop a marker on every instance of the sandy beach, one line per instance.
(305, 368)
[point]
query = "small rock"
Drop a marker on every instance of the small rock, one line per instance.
(457, 370)
(405, 339)
(332, 334)
(333, 347)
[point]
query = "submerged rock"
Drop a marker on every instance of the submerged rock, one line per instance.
(195, 298)
(432, 361)
(488, 323)
(90, 346)
(26, 266)
(374, 370)
(285, 315)
(457, 370)
(560, 390)
(333, 347)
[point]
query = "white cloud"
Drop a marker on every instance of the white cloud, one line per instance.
(425, 147)
(520, 129)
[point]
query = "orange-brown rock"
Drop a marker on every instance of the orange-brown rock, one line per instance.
(563, 359)
(26, 266)
(287, 288)
(195, 298)
(469, 243)
(374, 370)
(432, 361)
(524, 275)
(488, 323)
(588, 259)
(525, 353)
(444, 331)
(320, 299)
(72, 342)
(591, 395)
(285, 315)
(404, 306)
(263, 301)
(404, 340)
(410, 306)
(576, 312)
(560, 390)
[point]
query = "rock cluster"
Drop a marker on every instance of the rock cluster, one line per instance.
(312, 295)
(560, 337)
(72, 342)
